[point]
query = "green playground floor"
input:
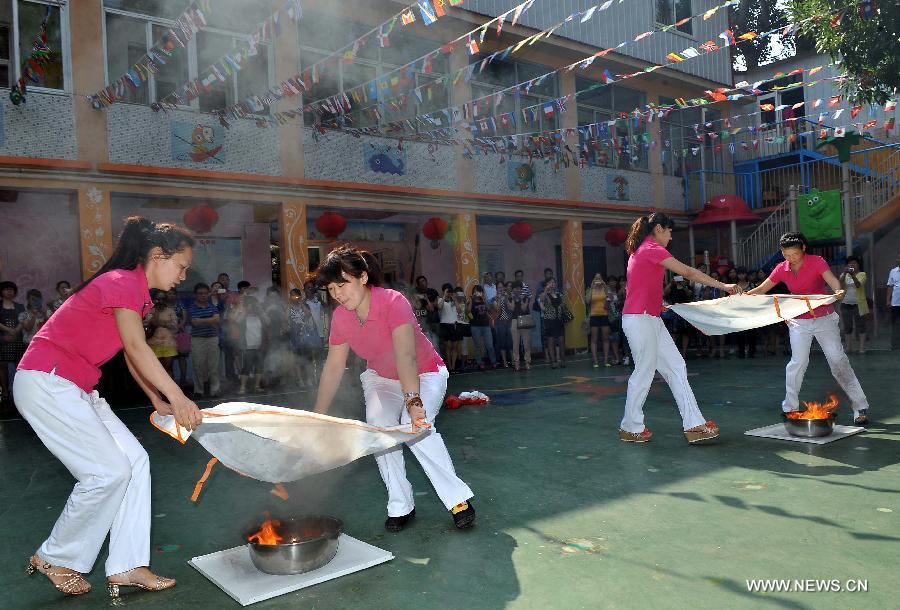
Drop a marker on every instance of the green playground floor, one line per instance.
(568, 516)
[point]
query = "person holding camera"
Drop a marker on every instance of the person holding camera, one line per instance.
(854, 307)
(519, 305)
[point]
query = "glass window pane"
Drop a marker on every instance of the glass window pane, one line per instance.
(253, 79)
(239, 16)
(30, 17)
(126, 43)
(664, 12)
(626, 100)
(500, 73)
(175, 72)
(682, 11)
(210, 48)
(601, 97)
(531, 71)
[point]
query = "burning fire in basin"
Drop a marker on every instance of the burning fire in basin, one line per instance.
(295, 545)
(816, 420)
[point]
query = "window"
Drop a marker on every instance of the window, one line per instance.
(381, 71)
(669, 12)
(133, 27)
(630, 149)
(498, 76)
(20, 25)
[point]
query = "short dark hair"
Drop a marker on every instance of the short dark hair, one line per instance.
(852, 257)
(793, 239)
(61, 282)
(200, 285)
(421, 277)
(741, 270)
(243, 284)
(548, 269)
(8, 284)
(518, 271)
(225, 274)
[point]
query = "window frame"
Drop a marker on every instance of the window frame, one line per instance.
(191, 52)
(611, 113)
(65, 50)
(674, 16)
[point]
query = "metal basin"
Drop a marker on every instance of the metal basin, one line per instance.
(308, 544)
(809, 428)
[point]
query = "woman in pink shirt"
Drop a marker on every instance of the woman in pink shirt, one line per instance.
(651, 344)
(404, 382)
(54, 391)
(806, 273)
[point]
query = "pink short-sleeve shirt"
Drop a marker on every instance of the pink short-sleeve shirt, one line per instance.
(807, 280)
(644, 284)
(82, 335)
(373, 340)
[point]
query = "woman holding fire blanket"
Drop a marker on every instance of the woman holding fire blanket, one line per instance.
(651, 344)
(404, 382)
(806, 273)
(54, 390)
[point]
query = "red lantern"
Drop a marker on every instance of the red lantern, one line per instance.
(435, 228)
(330, 224)
(520, 232)
(616, 236)
(201, 218)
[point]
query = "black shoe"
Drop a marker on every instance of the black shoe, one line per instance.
(395, 524)
(464, 517)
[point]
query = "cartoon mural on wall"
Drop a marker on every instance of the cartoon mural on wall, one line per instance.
(617, 188)
(819, 215)
(384, 159)
(520, 177)
(198, 143)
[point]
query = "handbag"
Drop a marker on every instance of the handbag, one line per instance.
(567, 315)
(525, 321)
(183, 342)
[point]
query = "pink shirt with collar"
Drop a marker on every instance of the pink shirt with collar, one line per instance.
(388, 309)
(82, 335)
(644, 284)
(807, 280)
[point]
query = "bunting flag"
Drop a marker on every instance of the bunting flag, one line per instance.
(407, 18)
(472, 46)
(428, 13)
(674, 57)
(889, 124)
(834, 100)
(890, 105)
(870, 124)
(854, 112)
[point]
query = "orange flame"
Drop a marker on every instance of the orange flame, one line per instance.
(267, 534)
(816, 410)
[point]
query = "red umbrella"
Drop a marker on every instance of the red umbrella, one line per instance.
(724, 209)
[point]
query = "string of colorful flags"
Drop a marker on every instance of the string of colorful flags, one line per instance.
(306, 81)
(191, 21)
(266, 31)
(33, 68)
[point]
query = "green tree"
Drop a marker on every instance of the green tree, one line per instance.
(868, 49)
(759, 16)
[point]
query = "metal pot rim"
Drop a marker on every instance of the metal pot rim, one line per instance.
(338, 530)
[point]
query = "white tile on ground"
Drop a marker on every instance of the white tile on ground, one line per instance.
(778, 432)
(233, 571)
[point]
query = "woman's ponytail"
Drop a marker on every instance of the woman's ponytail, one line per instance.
(639, 230)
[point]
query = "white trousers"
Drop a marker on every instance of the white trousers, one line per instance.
(653, 350)
(112, 495)
(385, 407)
(827, 332)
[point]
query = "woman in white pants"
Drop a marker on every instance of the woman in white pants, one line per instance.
(806, 273)
(404, 382)
(54, 392)
(651, 345)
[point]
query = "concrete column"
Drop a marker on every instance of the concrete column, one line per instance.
(87, 77)
(94, 228)
(465, 251)
(569, 120)
(293, 244)
(573, 280)
(461, 92)
(287, 63)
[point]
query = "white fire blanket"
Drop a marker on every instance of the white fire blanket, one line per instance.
(279, 445)
(742, 312)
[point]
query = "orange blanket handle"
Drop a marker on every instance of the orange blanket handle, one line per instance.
(199, 486)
